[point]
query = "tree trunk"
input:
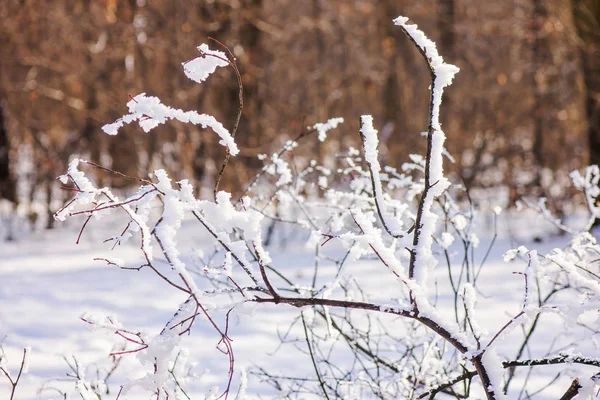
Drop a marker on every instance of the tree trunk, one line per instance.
(586, 14)
(445, 24)
(7, 183)
(541, 55)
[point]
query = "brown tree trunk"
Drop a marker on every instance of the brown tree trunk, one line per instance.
(540, 49)
(446, 28)
(446, 44)
(395, 113)
(7, 183)
(586, 14)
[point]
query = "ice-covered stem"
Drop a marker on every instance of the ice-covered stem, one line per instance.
(421, 256)
(370, 141)
(441, 76)
(489, 367)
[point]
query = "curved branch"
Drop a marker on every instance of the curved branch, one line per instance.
(412, 314)
(370, 143)
(441, 76)
(236, 125)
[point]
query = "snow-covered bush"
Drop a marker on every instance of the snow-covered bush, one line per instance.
(406, 223)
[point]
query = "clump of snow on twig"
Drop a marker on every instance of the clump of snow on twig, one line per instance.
(371, 143)
(201, 67)
(323, 128)
(444, 73)
(150, 112)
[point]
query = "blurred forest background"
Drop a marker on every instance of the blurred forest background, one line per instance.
(523, 112)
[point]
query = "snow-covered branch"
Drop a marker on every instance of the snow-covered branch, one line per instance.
(349, 208)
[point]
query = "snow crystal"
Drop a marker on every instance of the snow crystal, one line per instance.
(159, 355)
(561, 259)
(436, 172)
(166, 230)
(222, 218)
(587, 388)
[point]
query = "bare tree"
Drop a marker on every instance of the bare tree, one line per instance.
(587, 20)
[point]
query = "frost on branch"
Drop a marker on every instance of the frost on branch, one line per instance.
(370, 142)
(435, 182)
(323, 128)
(280, 167)
(444, 73)
(439, 346)
(588, 183)
(495, 372)
(150, 112)
(226, 220)
(102, 201)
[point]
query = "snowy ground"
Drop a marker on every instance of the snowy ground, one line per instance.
(47, 282)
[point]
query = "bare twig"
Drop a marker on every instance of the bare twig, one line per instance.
(14, 382)
(312, 357)
(232, 62)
